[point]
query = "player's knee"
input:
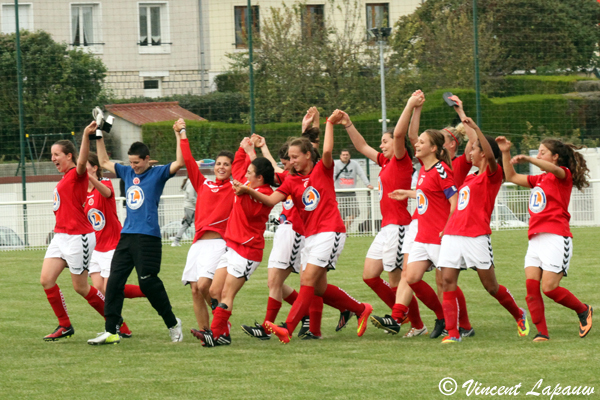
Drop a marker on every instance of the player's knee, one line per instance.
(203, 287)
(214, 293)
(492, 289)
(548, 287)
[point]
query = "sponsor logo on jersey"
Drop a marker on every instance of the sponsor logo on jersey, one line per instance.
(282, 219)
(310, 198)
(56, 204)
(136, 181)
(420, 181)
(380, 188)
(97, 219)
(422, 202)
(91, 201)
(135, 197)
(288, 203)
(537, 200)
(463, 198)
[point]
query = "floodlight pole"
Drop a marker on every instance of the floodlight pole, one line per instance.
(382, 75)
(250, 67)
(476, 59)
(21, 121)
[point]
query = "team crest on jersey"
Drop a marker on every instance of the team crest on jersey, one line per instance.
(463, 198)
(310, 198)
(56, 204)
(380, 188)
(422, 202)
(288, 203)
(91, 201)
(136, 181)
(135, 197)
(420, 181)
(537, 200)
(96, 218)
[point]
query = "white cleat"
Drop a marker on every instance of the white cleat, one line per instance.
(176, 332)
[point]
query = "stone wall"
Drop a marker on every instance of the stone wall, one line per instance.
(126, 84)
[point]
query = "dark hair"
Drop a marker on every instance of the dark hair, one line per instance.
(407, 144)
(305, 147)
(225, 153)
(312, 134)
(263, 168)
(138, 149)
(345, 151)
(569, 158)
(68, 147)
(93, 160)
(437, 139)
(283, 152)
(495, 150)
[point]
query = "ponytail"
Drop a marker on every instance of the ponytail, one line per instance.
(437, 139)
(569, 158)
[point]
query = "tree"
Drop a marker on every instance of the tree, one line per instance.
(60, 88)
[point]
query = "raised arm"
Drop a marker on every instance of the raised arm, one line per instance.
(196, 177)
(102, 188)
(471, 134)
(103, 156)
(358, 141)
(327, 156)
(541, 164)
(261, 143)
(269, 201)
(485, 145)
(84, 150)
(242, 159)
(178, 163)
(416, 100)
(316, 116)
(509, 171)
(415, 120)
(308, 119)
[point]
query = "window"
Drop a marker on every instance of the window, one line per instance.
(378, 15)
(313, 21)
(85, 26)
(241, 30)
(152, 88)
(154, 28)
(8, 18)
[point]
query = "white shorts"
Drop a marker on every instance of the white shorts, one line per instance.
(237, 265)
(323, 249)
(287, 248)
(462, 252)
(550, 252)
(101, 262)
(411, 234)
(202, 260)
(423, 252)
(387, 246)
(76, 250)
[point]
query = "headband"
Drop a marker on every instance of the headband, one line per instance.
(448, 130)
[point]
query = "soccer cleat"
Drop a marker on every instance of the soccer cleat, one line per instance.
(364, 319)
(540, 338)
(197, 333)
(206, 337)
(523, 324)
(224, 340)
(256, 331)
(344, 318)
(61, 332)
(304, 327)
(176, 332)
(585, 321)
(466, 332)
(280, 331)
(416, 332)
(440, 325)
(387, 323)
(105, 338)
(175, 243)
(309, 335)
(449, 339)
(125, 332)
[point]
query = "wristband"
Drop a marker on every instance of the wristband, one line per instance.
(348, 126)
(182, 130)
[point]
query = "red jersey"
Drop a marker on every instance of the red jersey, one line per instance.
(102, 213)
(476, 199)
(214, 201)
(549, 204)
(395, 174)
(289, 213)
(461, 166)
(69, 199)
(315, 193)
(434, 188)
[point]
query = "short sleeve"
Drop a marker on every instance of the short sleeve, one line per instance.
(120, 171)
(285, 188)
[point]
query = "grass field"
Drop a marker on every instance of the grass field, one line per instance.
(341, 366)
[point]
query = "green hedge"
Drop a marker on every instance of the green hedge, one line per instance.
(514, 85)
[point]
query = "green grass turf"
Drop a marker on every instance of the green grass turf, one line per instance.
(341, 366)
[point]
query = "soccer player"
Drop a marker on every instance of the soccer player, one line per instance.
(385, 253)
(550, 239)
(189, 210)
(213, 207)
(140, 243)
(311, 186)
(101, 210)
(245, 241)
(466, 242)
(74, 239)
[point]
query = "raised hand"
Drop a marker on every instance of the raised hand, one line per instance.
(457, 100)
(336, 117)
(470, 123)
(345, 119)
(239, 188)
(398, 194)
(308, 119)
(519, 159)
(258, 140)
(503, 144)
(179, 125)
(246, 144)
(91, 128)
(316, 115)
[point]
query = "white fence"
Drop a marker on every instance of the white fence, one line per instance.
(29, 224)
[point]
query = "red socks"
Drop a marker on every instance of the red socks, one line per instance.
(463, 316)
(96, 300)
(535, 303)
(507, 301)
(338, 298)
(273, 307)
(219, 323)
(399, 312)
(300, 307)
(290, 299)
(427, 295)
(133, 291)
(451, 312)
(315, 313)
(566, 298)
(414, 315)
(382, 289)
(57, 301)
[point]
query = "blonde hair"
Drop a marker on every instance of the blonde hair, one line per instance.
(457, 133)
(437, 139)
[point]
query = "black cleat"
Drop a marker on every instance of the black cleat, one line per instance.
(466, 332)
(224, 340)
(344, 318)
(256, 331)
(308, 336)
(305, 327)
(585, 321)
(386, 323)
(440, 325)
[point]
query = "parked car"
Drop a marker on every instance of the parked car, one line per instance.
(9, 240)
(506, 218)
